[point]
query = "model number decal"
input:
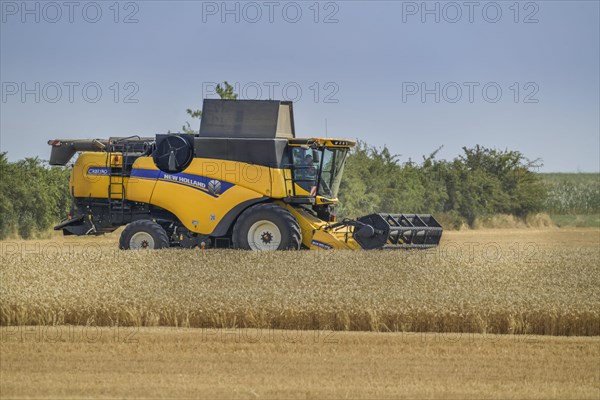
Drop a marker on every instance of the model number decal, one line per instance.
(97, 171)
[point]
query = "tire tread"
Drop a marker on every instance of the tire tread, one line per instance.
(295, 235)
(161, 239)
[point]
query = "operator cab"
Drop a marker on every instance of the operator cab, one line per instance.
(317, 167)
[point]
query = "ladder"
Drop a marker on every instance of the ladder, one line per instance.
(117, 204)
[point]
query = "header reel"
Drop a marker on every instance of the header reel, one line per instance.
(394, 231)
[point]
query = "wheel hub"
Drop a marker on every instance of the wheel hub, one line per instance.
(264, 235)
(141, 241)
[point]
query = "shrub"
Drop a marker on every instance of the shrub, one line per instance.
(33, 196)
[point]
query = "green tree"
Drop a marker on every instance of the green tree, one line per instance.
(33, 196)
(478, 183)
(507, 177)
(224, 92)
(7, 213)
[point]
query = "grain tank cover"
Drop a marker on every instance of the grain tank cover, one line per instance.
(259, 119)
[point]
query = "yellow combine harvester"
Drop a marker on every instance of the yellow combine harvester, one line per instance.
(244, 181)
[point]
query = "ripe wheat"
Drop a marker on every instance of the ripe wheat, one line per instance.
(557, 292)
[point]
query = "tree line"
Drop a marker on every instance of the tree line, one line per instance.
(478, 183)
(33, 196)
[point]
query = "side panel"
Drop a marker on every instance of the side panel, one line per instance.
(200, 196)
(199, 210)
(315, 237)
(204, 193)
(89, 177)
(139, 189)
(308, 223)
(281, 183)
(328, 240)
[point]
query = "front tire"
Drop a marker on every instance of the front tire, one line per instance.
(266, 227)
(143, 235)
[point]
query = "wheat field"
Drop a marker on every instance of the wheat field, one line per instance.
(543, 282)
(164, 362)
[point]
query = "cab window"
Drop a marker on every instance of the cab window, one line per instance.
(305, 168)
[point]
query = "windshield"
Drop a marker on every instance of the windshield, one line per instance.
(331, 174)
(307, 168)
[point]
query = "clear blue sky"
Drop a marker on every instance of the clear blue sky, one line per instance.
(374, 58)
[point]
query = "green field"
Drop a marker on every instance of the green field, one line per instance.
(573, 199)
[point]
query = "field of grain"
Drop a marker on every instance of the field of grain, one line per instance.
(74, 362)
(544, 282)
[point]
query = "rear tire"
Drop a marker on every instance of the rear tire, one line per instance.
(143, 235)
(266, 226)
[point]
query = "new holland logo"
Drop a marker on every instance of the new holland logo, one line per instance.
(321, 245)
(214, 186)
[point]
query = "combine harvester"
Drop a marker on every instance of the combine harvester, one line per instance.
(245, 181)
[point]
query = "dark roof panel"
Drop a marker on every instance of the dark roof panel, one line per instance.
(247, 119)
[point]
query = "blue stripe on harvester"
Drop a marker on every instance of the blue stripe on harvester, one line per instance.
(194, 181)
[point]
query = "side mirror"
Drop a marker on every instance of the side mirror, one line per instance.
(315, 155)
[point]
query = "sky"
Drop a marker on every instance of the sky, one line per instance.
(414, 76)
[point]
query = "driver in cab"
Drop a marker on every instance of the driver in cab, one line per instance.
(310, 172)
